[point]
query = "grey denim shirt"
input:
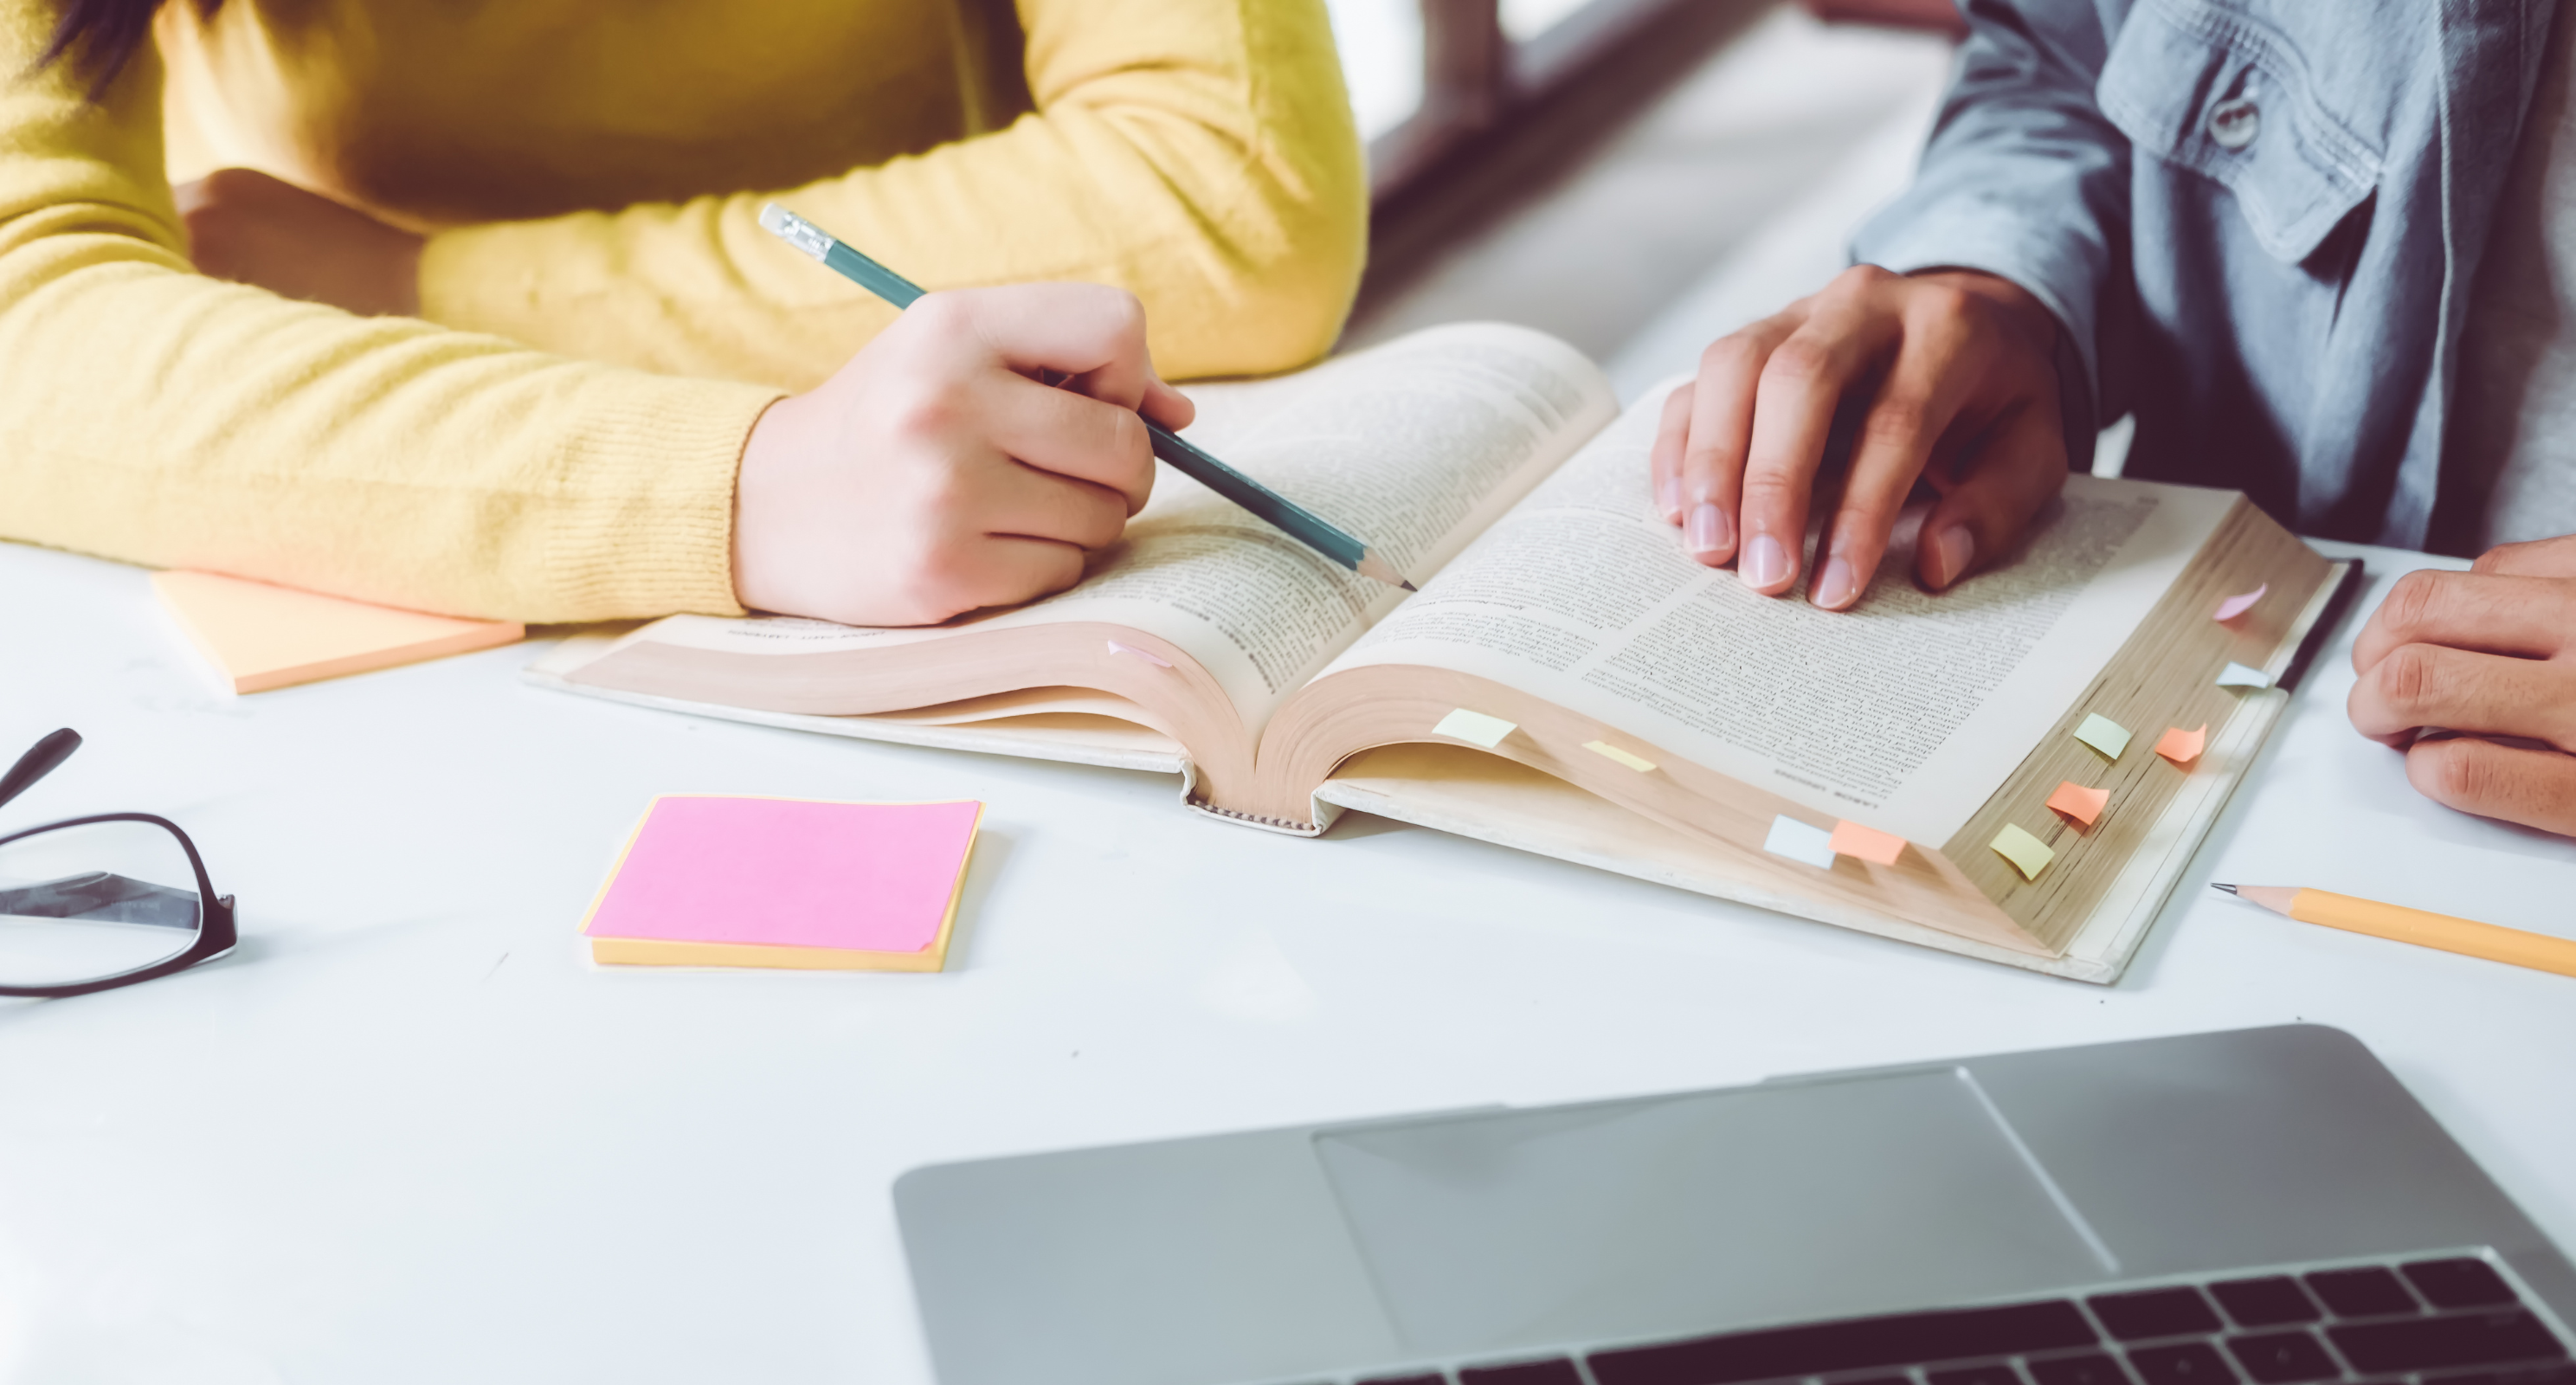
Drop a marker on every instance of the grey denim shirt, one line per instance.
(2257, 220)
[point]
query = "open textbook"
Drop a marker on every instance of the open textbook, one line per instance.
(1623, 705)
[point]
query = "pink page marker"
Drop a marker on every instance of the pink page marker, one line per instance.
(2235, 606)
(1116, 648)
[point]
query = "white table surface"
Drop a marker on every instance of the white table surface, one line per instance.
(409, 1133)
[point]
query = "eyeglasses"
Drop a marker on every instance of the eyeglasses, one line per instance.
(93, 903)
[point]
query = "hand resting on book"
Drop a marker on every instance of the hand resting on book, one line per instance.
(1956, 373)
(2491, 654)
(934, 475)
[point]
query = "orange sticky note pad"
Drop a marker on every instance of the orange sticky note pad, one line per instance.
(261, 637)
(2078, 802)
(1868, 843)
(2182, 747)
(716, 881)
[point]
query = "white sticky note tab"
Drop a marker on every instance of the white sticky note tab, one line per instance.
(1607, 751)
(1147, 655)
(1800, 842)
(2239, 676)
(1475, 728)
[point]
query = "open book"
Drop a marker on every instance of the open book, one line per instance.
(1659, 717)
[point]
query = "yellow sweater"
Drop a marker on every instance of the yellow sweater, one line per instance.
(609, 319)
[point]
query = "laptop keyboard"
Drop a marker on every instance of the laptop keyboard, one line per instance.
(2450, 1321)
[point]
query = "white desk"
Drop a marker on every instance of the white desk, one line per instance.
(409, 1134)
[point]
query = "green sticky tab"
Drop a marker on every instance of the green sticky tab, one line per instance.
(2103, 734)
(2028, 854)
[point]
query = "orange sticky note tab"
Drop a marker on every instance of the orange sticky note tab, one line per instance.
(2182, 747)
(2079, 802)
(261, 637)
(1868, 843)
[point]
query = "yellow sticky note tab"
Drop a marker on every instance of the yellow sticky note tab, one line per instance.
(2182, 747)
(1607, 751)
(2078, 802)
(2028, 854)
(1475, 728)
(1868, 843)
(2103, 734)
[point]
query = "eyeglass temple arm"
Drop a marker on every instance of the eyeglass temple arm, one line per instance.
(38, 762)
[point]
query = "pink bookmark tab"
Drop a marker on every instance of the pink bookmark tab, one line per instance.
(1116, 648)
(2235, 606)
(1868, 843)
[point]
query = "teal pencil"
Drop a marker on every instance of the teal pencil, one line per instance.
(1284, 514)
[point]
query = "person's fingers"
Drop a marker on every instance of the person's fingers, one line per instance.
(2018, 466)
(2427, 685)
(1802, 386)
(1006, 570)
(1069, 434)
(1023, 502)
(1913, 410)
(1168, 406)
(1090, 332)
(1664, 462)
(2536, 788)
(1721, 428)
(2537, 558)
(2528, 617)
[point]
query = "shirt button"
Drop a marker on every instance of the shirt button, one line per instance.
(2233, 124)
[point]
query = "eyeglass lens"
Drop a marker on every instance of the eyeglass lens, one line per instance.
(82, 903)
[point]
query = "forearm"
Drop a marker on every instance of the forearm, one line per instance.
(1198, 153)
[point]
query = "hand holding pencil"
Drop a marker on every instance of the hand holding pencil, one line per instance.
(932, 475)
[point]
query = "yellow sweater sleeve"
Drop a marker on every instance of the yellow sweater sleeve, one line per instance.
(1199, 153)
(153, 415)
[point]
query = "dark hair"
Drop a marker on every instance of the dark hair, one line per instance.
(101, 36)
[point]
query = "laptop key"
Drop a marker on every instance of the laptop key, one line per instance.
(2462, 1283)
(2276, 1301)
(1991, 1373)
(2092, 1368)
(2283, 1358)
(2366, 1293)
(2561, 1374)
(1856, 1344)
(2154, 1313)
(1555, 1371)
(2433, 1344)
(2184, 1363)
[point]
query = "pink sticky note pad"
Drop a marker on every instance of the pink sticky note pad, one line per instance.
(2079, 802)
(774, 872)
(2182, 747)
(1867, 843)
(2235, 606)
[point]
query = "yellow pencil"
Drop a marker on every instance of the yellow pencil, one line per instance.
(2537, 951)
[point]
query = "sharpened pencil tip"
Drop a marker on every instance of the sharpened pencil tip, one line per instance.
(1408, 586)
(2231, 889)
(1378, 569)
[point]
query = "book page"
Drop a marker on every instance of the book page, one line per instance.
(1414, 446)
(1904, 713)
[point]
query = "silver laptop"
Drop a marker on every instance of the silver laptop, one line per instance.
(2263, 1207)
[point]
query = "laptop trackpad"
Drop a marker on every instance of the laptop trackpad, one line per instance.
(1669, 1217)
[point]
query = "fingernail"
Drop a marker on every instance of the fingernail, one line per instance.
(1764, 562)
(1835, 587)
(1668, 497)
(1952, 549)
(1707, 531)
